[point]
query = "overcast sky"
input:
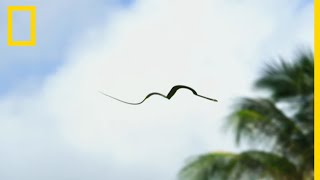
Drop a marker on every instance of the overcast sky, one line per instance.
(55, 125)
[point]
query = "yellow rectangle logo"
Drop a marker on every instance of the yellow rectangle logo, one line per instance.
(32, 41)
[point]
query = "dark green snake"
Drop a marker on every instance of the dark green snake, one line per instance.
(169, 96)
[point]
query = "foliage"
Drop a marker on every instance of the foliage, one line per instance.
(289, 133)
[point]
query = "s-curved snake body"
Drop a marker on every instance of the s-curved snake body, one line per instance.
(172, 92)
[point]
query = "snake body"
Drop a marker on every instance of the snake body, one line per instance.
(171, 93)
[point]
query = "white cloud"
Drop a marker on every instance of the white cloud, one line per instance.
(213, 46)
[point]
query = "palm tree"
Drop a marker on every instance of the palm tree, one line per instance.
(286, 133)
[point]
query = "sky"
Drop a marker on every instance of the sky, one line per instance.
(55, 125)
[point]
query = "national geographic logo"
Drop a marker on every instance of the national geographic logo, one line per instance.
(32, 39)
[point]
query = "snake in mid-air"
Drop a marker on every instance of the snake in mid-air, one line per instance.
(173, 90)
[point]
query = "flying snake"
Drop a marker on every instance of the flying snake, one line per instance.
(173, 90)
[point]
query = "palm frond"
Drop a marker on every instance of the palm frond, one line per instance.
(289, 80)
(260, 121)
(246, 165)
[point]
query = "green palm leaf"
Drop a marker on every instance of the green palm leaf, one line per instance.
(247, 165)
(289, 134)
(259, 120)
(289, 80)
